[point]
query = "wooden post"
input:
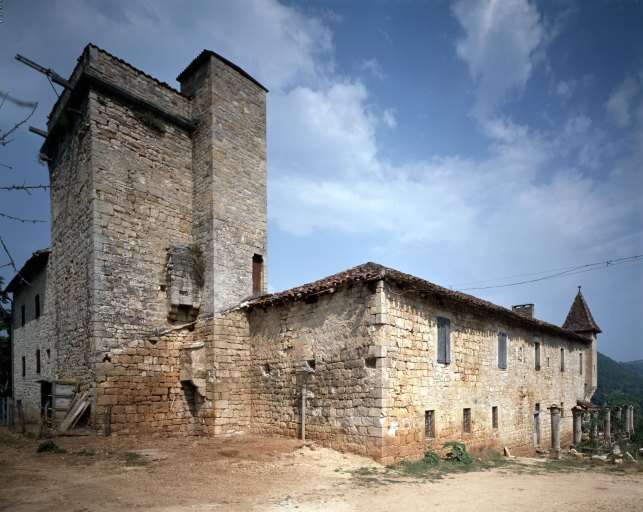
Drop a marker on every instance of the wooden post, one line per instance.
(21, 416)
(555, 432)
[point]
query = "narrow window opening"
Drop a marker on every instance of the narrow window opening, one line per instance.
(537, 355)
(562, 359)
(38, 361)
(48, 354)
(370, 362)
(257, 274)
(37, 304)
(22, 315)
(444, 340)
(466, 421)
(311, 364)
(562, 409)
(502, 350)
(265, 369)
(24, 366)
(580, 363)
(494, 417)
(429, 424)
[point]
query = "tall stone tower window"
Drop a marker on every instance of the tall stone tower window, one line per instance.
(257, 274)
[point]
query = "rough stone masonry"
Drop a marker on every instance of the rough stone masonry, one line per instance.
(154, 294)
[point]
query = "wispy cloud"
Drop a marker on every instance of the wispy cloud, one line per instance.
(499, 46)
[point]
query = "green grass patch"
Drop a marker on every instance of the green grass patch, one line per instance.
(49, 447)
(135, 459)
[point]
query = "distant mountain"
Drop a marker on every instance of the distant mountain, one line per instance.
(618, 383)
(635, 366)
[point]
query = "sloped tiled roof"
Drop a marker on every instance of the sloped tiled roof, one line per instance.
(370, 272)
(579, 318)
(33, 265)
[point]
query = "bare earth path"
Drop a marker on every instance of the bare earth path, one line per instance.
(273, 474)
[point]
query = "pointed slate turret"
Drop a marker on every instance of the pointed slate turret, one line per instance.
(580, 319)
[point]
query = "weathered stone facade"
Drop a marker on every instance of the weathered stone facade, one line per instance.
(155, 294)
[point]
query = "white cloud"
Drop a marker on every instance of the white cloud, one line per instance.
(372, 66)
(499, 46)
(621, 102)
(565, 89)
(388, 118)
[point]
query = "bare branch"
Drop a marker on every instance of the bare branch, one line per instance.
(4, 140)
(15, 101)
(25, 187)
(11, 262)
(19, 219)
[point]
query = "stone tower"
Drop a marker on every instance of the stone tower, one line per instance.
(158, 203)
(580, 320)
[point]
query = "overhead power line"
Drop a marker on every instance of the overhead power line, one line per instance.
(561, 272)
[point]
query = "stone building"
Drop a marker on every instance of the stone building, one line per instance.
(153, 294)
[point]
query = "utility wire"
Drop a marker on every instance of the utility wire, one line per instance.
(563, 273)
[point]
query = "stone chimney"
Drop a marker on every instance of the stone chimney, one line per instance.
(524, 309)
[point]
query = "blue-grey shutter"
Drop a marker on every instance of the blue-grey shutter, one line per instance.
(502, 350)
(444, 340)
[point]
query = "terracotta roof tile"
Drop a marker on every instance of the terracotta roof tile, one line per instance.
(369, 272)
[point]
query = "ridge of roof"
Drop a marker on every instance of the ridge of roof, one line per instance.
(579, 318)
(209, 53)
(370, 271)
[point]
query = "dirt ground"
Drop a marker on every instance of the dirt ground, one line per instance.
(273, 474)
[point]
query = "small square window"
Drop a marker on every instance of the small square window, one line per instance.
(466, 421)
(494, 416)
(429, 424)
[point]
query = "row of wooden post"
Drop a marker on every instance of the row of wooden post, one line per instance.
(626, 413)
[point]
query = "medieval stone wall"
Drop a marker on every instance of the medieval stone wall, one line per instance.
(334, 335)
(415, 382)
(229, 155)
(31, 341)
(70, 267)
(142, 204)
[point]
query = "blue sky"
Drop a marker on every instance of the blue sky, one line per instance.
(461, 142)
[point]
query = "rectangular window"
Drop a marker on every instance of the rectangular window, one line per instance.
(38, 361)
(429, 424)
(580, 363)
(24, 366)
(502, 350)
(562, 359)
(562, 409)
(537, 355)
(37, 304)
(23, 317)
(444, 340)
(494, 417)
(257, 274)
(466, 421)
